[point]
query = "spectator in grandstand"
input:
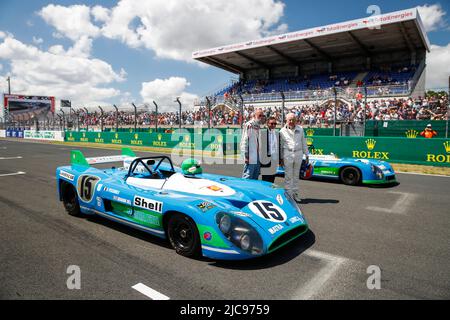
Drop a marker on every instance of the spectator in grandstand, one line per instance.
(439, 114)
(292, 148)
(426, 108)
(428, 132)
(250, 146)
(269, 139)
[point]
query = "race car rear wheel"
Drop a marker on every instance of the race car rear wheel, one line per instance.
(70, 199)
(183, 235)
(350, 176)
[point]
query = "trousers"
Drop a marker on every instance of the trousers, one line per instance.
(251, 171)
(292, 163)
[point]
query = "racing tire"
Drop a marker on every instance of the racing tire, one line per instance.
(350, 176)
(70, 199)
(183, 235)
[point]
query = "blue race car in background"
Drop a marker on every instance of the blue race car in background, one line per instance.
(217, 216)
(349, 171)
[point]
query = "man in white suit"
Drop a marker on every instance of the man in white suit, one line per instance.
(292, 148)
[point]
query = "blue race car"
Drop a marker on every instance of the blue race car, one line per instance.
(217, 216)
(349, 171)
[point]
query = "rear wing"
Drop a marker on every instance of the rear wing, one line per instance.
(77, 157)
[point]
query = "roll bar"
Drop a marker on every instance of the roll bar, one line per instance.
(136, 162)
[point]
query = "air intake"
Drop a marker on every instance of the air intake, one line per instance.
(288, 237)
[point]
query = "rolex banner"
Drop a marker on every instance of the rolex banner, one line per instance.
(434, 151)
(214, 142)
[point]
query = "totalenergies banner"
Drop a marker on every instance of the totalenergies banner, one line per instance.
(373, 21)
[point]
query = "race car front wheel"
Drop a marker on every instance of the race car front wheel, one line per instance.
(350, 176)
(70, 199)
(183, 235)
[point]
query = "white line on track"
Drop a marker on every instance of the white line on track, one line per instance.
(149, 292)
(12, 174)
(10, 158)
(400, 206)
(423, 174)
(313, 286)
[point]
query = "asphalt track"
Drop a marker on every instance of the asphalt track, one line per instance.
(403, 230)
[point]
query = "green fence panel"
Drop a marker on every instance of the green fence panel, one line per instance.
(434, 152)
(180, 139)
(404, 128)
(321, 131)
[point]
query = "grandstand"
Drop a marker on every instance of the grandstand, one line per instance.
(306, 72)
(383, 55)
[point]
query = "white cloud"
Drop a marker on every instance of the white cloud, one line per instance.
(171, 28)
(125, 98)
(59, 73)
(165, 91)
(100, 13)
(4, 34)
(81, 48)
(432, 16)
(37, 40)
(196, 24)
(57, 35)
(438, 66)
(73, 22)
(1, 67)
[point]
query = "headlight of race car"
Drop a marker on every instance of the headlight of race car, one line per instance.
(377, 171)
(225, 224)
(239, 232)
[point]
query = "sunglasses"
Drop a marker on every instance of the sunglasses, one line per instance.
(272, 123)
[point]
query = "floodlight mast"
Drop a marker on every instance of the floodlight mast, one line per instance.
(117, 117)
(156, 116)
(101, 118)
(179, 120)
(135, 115)
(208, 104)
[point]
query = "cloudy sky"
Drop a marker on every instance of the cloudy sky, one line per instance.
(104, 52)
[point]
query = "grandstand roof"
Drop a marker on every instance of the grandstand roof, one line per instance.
(396, 31)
